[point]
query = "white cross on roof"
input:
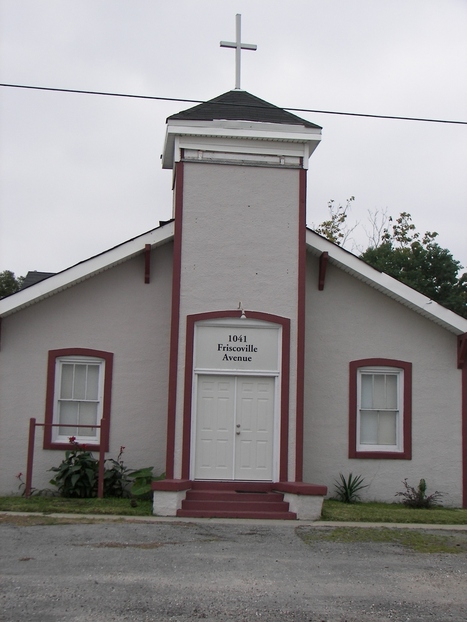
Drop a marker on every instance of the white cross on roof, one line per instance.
(239, 46)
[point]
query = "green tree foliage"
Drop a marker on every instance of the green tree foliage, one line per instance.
(336, 228)
(9, 284)
(421, 263)
(402, 252)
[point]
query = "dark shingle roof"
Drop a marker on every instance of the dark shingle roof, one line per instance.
(240, 106)
(34, 277)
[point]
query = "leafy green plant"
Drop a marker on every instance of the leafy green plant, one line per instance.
(77, 474)
(347, 490)
(417, 497)
(142, 480)
(117, 478)
(38, 492)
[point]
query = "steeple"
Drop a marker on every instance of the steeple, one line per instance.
(240, 116)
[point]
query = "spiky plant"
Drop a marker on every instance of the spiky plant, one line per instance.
(347, 489)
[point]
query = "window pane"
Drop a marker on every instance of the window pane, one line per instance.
(379, 391)
(369, 428)
(87, 415)
(367, 391)
(387, 428)
(66, 388)
(391, 391)
(68, 414)
(79, 389)
(92, 388)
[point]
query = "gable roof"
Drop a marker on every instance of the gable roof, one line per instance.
(240, 105)
(86, 269)
(316, 244)
(388, 285)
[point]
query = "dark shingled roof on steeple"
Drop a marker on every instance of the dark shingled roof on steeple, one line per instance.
(240, 106)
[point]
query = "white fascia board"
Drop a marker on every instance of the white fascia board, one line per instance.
(239, 145)
(85, 270)
(386, 284)
(248, 130)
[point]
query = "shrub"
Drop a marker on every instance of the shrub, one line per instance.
(347, 490)
(117, 478)
(37, 492)
(77, 474)
(142, 480)
(417, 497)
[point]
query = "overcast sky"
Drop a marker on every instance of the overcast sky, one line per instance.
(82, 173)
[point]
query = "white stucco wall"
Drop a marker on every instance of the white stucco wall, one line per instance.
(240, 243)
(113, 311)
(348, 321)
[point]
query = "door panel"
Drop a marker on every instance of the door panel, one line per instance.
(254, 428)
(214, 434)
(234, 428)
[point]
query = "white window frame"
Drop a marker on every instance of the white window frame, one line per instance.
(77, 359)
(382, 370)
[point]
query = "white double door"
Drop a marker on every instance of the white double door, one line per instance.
(234, 435)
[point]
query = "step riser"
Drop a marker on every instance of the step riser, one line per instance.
(211, 495)
(233, 514)
(232, 506)
(235, 486)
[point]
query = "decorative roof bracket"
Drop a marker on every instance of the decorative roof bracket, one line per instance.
(323, 264)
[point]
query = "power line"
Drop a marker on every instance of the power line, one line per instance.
(200, 101)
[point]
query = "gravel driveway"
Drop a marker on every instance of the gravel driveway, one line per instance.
(242, 571)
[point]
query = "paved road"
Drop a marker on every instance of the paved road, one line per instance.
(212, 571)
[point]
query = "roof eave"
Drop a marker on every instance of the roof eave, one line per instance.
(391, 287)
(247, 130)
(85, 270)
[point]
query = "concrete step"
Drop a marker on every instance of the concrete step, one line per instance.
(231, 495)
(236, 486)
(234, 505)
(235, 500)
(237, 514)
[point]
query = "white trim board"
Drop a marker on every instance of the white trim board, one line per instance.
(345, 260)
(85, 269)
(316, 244)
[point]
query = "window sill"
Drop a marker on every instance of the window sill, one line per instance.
(64, 446)
(380, 455)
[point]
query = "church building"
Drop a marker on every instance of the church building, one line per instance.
(234, 349)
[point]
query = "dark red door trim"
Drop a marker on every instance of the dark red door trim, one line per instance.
(284, 406)
(175, 321)
(462, 364)
(301, 327)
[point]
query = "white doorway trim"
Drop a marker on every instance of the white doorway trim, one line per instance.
(229, 438)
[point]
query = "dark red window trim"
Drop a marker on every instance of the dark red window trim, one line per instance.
(49, 400)
(285, 380)
(406, 453)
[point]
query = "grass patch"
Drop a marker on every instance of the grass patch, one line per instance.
(49, 505)
(26, 520)
(390, 513)
(419, 541)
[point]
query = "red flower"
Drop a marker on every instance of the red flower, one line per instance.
(122, 447)
(19, 476)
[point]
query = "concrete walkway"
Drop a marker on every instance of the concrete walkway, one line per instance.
(239, 521)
